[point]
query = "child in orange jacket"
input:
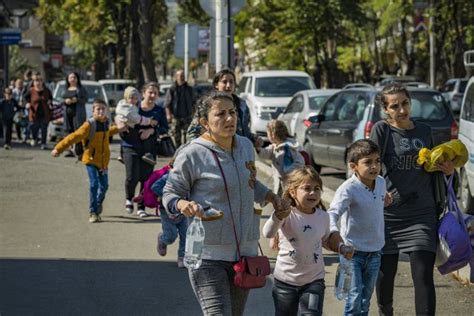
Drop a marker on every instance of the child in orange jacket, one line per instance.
(96, 155)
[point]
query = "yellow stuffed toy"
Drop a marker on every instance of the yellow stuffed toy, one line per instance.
(453, 150)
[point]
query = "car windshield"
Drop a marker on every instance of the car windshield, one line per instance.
(427, 106)
(316, 102)
(93, 92)
(277, 87)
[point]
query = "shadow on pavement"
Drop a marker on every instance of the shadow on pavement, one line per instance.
(77, 287)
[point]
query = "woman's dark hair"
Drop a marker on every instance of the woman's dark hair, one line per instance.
(204, 104)
(391, 88)
(77, 76)
(218, 76)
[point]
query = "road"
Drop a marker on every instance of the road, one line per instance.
(54, 262)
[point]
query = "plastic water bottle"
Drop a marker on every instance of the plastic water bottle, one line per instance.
(343, 280)
(194, 242)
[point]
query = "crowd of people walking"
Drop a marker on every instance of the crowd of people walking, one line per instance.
(383, 210)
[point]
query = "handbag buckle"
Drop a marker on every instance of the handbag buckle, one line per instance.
(259, 271)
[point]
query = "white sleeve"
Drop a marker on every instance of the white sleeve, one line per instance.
(272, 225)
(339, 205)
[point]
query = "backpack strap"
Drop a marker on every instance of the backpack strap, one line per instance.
(92, 130)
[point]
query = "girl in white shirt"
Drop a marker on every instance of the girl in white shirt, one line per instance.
(302, 230)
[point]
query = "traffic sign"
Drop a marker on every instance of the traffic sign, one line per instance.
(10, 36)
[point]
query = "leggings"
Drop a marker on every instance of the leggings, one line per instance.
(421, 264)
(136, 170)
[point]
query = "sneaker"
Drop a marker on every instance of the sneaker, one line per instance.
(120, 159)
(93, 218)
(32, 143)
(99, 219)
(161, 247)
(148, 158)
(7, 147)
(180, 262)
(44, 147)
(142, 213)
(129, 207)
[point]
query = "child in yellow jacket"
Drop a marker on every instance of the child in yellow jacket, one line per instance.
(96, 155)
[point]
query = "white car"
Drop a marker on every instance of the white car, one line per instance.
(466, 135)
(94, 89)
(267, 94)
(114, 88)
(302, 106)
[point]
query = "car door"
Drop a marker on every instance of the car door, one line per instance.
(317, 133)
(290, 114)
(349, 111)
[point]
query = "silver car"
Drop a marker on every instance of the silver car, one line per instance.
(304, 104)
(94, 89)
(453, 92)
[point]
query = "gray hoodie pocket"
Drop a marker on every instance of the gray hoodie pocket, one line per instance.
(218, 232)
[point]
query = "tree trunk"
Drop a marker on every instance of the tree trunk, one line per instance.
(101, 62)
(136, 71)
(145, 14)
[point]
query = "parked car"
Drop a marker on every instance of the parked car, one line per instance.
(453, 92)
(114, 88)
(94, 89)
(350, 114)
(201, 88)
(304, 104)
(466, 135)
(268, 92)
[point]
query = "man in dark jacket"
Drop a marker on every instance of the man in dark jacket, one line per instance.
(179, 107)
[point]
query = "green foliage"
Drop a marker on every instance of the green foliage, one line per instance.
(190, 11)
(18, 64)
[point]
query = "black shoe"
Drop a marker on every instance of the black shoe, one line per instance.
(149, 159)
(69, 154)
(120, 159)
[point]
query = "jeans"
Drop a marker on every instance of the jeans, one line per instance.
(365, 269)
(98, 185)
(171, 228)
(36, 126)
(307, 299)
(213, 285)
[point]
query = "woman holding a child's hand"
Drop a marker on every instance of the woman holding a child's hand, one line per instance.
(216, 171)
(411, 219)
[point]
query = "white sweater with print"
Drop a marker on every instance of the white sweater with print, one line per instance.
(300, 258)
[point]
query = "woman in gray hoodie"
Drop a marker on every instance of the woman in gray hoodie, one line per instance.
(196, 182)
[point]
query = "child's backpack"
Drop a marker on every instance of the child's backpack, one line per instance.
(149, 197)
(306, 157)
(79, 147)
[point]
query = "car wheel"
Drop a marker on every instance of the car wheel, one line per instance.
(314, 164)
(467, 202)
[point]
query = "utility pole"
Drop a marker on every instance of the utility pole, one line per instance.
(432, 52)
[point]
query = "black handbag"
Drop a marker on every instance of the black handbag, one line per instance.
(165, 146)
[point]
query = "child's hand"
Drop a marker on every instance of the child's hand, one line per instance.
(258, 142)
(54, 153)
(347, 251)
(388, 199)
(282, 207)
(447, 167)
(153, 123)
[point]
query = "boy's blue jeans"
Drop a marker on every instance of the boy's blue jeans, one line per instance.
(365, 269)
(98, 185)
(171, 228)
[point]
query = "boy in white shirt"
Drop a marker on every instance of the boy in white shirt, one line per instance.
(358, 207)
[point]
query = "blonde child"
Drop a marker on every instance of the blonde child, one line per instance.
(96, 155)
(283, 151)
(127, 113)
(303, 230)
(359, 206)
